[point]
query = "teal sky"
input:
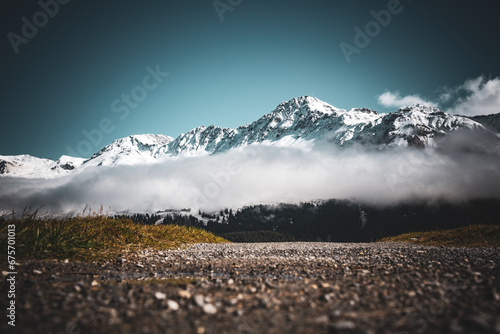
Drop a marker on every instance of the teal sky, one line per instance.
(64, 80)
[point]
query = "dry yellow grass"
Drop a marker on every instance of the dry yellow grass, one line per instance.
(95, 237)
(467, 236)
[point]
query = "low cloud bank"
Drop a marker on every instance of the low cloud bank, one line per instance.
(477, 96)
(267, 175)
(394, 99)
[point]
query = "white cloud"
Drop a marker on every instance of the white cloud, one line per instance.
(265, 175)
(394, 99)
(479, 96)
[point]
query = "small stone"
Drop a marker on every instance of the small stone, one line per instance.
(496, 295)
(36, 271)
(94, 283)
(323, 319)
(200, 330)
(344, 324)
(199, 300)
(184, 294)
(160, 295)
(411, 294)
(328, 297)
(209, 309)
(173, 305)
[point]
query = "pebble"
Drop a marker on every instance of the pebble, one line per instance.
(184, 294)
(160, 295)
(268, 287)
(342, 325)
(173, 305)
(209, 309)
(199, 300)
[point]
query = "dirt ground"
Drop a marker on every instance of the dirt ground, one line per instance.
(264, 288)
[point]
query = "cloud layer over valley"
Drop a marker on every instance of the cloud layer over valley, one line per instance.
(261, 174)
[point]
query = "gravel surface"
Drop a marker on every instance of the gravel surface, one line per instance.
(265, 288)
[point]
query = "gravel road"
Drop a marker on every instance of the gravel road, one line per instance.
(265, 288)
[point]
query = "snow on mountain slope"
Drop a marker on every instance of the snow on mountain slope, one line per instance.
(299, 121)
(131, 150)
(303, 118)
(417, 126)
(29, 166)
(307, 118)
(67, 163)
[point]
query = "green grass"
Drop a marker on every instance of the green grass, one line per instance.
(93, 237)
(467, 236)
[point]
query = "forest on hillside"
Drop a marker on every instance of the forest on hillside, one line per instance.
(332, 220)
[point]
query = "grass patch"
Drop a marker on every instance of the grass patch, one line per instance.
(467, 236)
(93, 237)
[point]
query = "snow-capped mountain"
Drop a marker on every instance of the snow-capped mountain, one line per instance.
(29, 166)
(302, 119)
(130, 150)
(307, 118)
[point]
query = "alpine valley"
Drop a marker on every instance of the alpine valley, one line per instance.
(302, 120)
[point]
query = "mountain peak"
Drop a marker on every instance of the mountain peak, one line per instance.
(129, 150)
(301, 119)
(364, 111)
(303, 105)
(305, 99)
(423, 108)
(300, 101)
